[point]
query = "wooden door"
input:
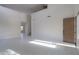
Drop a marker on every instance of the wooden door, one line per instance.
(68, 30)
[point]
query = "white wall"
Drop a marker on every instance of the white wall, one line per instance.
(76, 12)
(50, 28)
(76, 9)
(10, 21)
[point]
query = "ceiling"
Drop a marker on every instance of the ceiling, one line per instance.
(27, 8)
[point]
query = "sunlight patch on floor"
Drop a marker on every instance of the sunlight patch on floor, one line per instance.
(43, 43)
(50, 44)
(9, 52)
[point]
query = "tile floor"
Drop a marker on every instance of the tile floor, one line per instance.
(23, 47)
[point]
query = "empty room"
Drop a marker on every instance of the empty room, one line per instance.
(39, 29)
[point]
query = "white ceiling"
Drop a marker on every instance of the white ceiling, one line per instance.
(28, 8)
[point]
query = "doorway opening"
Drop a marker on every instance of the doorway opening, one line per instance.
(22, 28)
